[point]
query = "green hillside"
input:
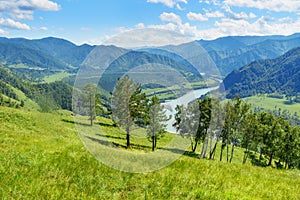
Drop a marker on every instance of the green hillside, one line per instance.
(266, 76)
(42, 157)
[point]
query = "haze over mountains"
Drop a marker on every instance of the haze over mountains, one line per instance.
(269, 70)
(228, 53)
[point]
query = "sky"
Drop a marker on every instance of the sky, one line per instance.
(95, 21)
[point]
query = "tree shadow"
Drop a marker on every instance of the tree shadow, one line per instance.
(112, 137)
(106, 143)
(73, 122)
(106, 125)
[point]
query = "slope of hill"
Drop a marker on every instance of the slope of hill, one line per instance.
(266, 76)
(42, 157)
(230, 53)
(57, 95)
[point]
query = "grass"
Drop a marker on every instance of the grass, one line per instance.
(42, 157)
(269, 103)
(56, 77)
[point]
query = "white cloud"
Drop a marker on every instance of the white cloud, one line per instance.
(274, 5)
(9, 23)
(43, 28)
(169, 3)
(215, 14)
(170, 17)
(140, 25)
(237, 16)
(3, 32)
(196, 17)
(23, 9)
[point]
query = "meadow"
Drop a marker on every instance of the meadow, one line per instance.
(42, 157)
(263, 101)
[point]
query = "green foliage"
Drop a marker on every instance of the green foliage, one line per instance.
(157, 121)
(279, 75)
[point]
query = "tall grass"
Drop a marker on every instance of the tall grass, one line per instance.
(42, 157)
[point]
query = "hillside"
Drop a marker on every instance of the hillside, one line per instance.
(234, 52)
(280, 75)
(18, 92)
(42, 157)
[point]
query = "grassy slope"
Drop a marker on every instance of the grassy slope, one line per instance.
(41, 156)
(263, 101)
(56, 77)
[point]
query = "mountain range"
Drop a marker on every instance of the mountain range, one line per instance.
(281, 75)
(251, 64)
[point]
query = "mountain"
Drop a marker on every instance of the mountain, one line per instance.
(233, 52)
(281, 74)
(47, 53)
(112, 62)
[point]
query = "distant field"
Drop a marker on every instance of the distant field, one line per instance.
(263, 101)
(42, 157)
(56, 77)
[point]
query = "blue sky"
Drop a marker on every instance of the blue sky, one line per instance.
(93, 21)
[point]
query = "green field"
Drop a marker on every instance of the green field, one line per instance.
(262, 101)
(42, 157)
(56, 77)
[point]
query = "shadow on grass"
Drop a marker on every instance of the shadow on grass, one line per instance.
(73, 122)
(109, 143)
(106, 143)
(113, 137)
(106, 125)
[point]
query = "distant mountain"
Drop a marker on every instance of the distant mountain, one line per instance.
(48, 53)
(119, 61)
(230, 53)
(281, 75)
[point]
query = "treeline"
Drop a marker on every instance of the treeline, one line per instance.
(266, 138)
(57, 95)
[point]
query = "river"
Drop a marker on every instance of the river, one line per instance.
(183, 100)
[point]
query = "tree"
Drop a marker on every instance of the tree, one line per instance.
(157, 121)
(205, 108)
(128, 105)
(90, 92)
(187, 122)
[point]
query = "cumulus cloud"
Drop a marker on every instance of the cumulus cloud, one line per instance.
(9, 23)
(274, 5)
(23, 9)
(204, 17)
(169, 3)
(170, 17)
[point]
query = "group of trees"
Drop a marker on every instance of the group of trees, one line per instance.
(265, 137)
(130, 108)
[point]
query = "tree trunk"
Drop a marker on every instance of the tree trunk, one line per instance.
(195, 146)
(227, 151)
(222, 148)
(270, 159)
(153, 143)
(246, 154)
(128, 137)
(232, 152)
(212, 153)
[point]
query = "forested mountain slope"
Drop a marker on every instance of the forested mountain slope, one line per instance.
(281, 75)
